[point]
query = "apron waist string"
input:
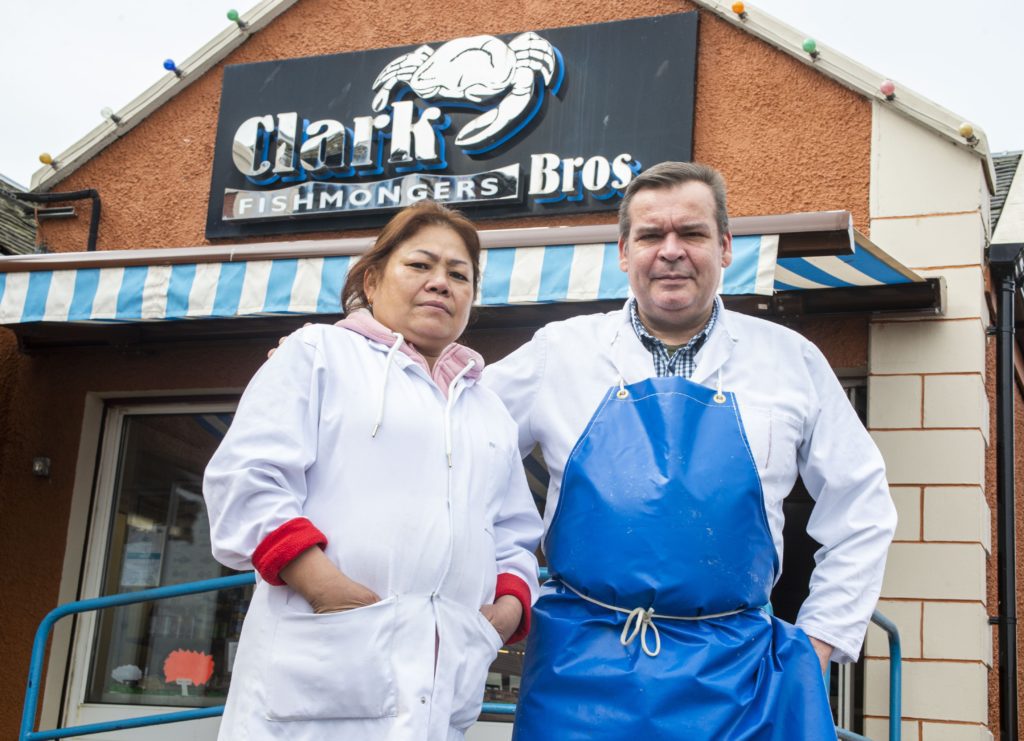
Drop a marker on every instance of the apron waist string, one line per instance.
(639, 620)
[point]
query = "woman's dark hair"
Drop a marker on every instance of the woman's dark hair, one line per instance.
(406, 224)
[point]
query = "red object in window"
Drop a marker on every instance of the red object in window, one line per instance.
(194, 666)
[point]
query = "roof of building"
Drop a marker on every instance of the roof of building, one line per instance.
(1005, 164)
(17, 221)
(787, 39)
(1008, 214)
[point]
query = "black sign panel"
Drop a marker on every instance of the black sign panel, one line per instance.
(545, 122)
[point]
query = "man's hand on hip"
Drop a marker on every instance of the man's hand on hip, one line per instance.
(823, 650)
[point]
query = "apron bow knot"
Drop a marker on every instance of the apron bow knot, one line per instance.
(640, 620)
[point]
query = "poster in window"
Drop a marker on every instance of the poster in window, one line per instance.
(143, 556)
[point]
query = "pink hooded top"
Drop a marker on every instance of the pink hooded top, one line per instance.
(449, 363)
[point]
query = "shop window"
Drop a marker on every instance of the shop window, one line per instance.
(149, 528)
(174, 652)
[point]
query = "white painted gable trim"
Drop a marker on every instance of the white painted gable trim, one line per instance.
(157, 94)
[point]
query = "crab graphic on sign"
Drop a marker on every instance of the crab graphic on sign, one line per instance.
(476, 70)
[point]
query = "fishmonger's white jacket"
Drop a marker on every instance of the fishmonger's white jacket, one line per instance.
(797, 419)
(300, 466)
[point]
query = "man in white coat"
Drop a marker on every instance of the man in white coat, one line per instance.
(673, 429)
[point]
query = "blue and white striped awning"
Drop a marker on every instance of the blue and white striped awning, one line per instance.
(867, 266)
(169, 292)
(312, 285)
(589, 272)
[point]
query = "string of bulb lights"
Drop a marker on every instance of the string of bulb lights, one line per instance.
(809, 46)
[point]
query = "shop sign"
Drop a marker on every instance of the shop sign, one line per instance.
(543, 122)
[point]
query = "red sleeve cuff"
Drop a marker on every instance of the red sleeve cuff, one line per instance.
(513, 585)
(282, 546)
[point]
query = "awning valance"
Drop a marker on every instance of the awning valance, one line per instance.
(262, 282)
(170, 292)
(590, 272)
(866, 266)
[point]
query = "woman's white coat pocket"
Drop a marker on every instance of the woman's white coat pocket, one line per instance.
(490, 631)
(479, 653)
(334, 665)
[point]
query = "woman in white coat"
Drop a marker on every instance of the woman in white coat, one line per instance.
(377, 490)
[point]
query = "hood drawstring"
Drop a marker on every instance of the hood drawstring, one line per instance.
(448, 485)
(399, 339)
(448, 410)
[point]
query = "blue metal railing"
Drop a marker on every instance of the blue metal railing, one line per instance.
(895, 673)
(241, 580)
(35, 667)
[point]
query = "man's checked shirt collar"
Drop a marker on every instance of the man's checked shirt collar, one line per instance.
(684, 360)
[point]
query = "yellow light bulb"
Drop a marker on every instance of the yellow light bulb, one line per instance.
(45, 158)
(738, 8)
(966, 130)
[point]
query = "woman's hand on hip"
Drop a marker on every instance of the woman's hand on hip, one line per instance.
(323, 585)
(505, 615)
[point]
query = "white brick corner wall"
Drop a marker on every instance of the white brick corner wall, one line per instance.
(928, 412)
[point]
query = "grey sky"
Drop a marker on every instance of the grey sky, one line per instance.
(964, 56)
(77, 57)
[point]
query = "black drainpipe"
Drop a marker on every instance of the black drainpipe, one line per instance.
(75, 195)
(1006, 261)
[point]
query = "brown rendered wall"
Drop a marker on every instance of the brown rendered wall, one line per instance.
(1018, 487)
(786, 138)
(992, 571)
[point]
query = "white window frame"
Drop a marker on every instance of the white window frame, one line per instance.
(75, 711)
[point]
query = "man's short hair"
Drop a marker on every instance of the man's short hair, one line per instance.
(668, 175)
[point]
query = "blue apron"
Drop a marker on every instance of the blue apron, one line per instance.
(661, 517)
